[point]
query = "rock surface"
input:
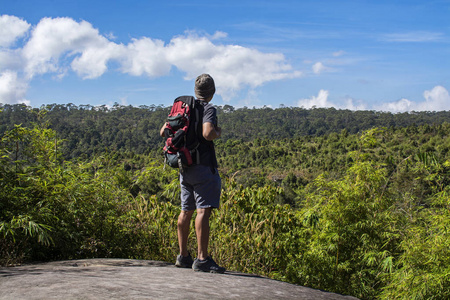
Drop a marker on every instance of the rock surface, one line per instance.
(141, 279)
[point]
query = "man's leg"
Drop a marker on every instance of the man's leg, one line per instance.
(184, 220)
(202, 231)
(204, 262)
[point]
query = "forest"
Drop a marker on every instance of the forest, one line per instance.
(353, 202)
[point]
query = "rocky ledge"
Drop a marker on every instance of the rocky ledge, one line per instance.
(141, 279)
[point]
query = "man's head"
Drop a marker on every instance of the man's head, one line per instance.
(204, 87)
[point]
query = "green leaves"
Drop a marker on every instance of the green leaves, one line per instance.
(352, 231)
(366, 215)
(251, 233)
(423, 270)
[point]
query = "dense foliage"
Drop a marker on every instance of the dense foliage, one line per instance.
(88, 130)
(364, 213)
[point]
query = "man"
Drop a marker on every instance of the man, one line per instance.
(200, 185)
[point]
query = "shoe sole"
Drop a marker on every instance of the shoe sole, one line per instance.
(181, 265)
(210, 271)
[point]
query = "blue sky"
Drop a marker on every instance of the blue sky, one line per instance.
(376, 55)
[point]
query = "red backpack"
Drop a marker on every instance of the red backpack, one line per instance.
(181, 133)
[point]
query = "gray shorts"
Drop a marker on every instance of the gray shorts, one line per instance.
(200, 187)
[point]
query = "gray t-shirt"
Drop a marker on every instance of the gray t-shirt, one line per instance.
(207, 151)
(209, 113)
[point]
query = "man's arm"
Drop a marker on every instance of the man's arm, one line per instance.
(211, 132)
(161, 132)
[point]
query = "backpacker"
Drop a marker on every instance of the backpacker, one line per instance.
(181, 133)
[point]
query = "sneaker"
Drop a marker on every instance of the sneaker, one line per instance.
(184, 261)
(207, 265)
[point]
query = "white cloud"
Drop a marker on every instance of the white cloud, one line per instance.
(54, 40)
(318, 68)
(413, 36)
(58, 45)
(401, 105)
(10, 59)
(351, 105)
(233, 67)
(146, 56)
(11, 29)
(12, 89)
(93, 61)
(320, 101)
(219, 35)
(110, 36)
(436, 99)
(338, 53)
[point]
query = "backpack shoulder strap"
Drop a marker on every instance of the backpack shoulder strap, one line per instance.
(189, 100)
